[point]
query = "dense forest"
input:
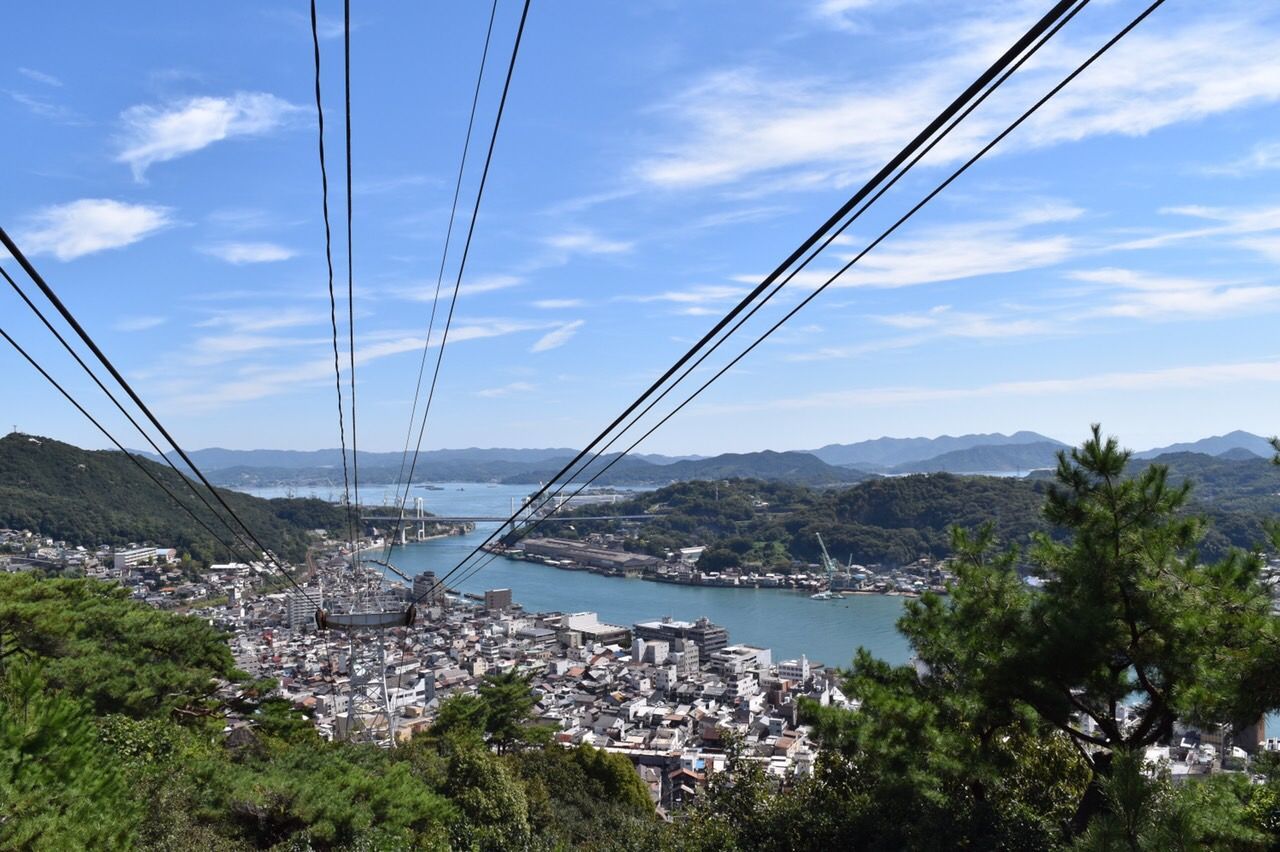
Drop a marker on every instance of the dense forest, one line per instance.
(101, 497)
(1002, 734)
(896, 520)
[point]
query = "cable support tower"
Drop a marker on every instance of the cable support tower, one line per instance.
(961, 170)
(402, 502)
(1005, 64)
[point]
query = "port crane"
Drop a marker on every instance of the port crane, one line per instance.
(832, 568)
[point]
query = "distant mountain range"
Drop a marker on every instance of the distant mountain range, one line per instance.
(882, 454)
(1218, 445)
(830, 465)
(988, 458)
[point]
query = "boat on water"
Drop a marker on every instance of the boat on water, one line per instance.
(824, 596)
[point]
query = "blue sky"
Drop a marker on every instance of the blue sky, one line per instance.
(1115, 260)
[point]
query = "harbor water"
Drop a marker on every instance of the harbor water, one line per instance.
(787, 622)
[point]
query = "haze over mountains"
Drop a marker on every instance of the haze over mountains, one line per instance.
(994, 453)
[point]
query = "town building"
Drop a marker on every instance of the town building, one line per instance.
(708, 637)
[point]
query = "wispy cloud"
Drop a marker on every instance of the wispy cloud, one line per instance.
(1241, 222)
(954, 252)
(557, 304)
(139, 323)
(241, 253)
(258, 378)
(425, 291)
(935, 324)
(1173, 378)
(756, 122)
(1265, 156)
(264, 320)
(506, 390)
(46, 108)
(72, 230)
(557, 337)
(696, 295)
(157, 134)
(588, 242)
(40, 77)
(1142, 295)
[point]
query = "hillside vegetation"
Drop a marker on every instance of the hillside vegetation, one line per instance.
(896, 520)
(100, 497)
(113, 736)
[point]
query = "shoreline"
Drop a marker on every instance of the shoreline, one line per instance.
(756, 584)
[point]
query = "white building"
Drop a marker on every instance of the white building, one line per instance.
(736, 659)
(134, 556)
(300, 609)
(796, 671)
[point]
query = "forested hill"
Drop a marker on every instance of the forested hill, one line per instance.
(100, 497)
(891, 520)
(895, 520)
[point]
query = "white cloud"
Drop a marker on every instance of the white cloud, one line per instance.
(759, 124)
(425, 291)
(557, 337)
(701, 294)
(40, 77)
(1145, 296)
(1254, 229)
(506, 390)
(241, 253)
(139, 323)
(557, 304)
(68, 231)
(587, 242)
(264, 320)
(489, 283)
(935, 324)
(1264, 156)
(157, 134)
(1173, 378)
(928, 319)
(953, 252)
(269, 377)
(47, 109)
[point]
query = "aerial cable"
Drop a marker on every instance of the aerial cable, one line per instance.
(230, 548)
(115, 401)
(466, 246)
(1000, 65)
(351, 302)
(1058, 10)
(898, 223)
(53, 298)
(568, 480)
(444, 255)
(333, 307)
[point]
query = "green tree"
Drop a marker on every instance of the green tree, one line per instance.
(495, 810)
(120, 655)
(60, 788)
(1127, 614)
(509, 703)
